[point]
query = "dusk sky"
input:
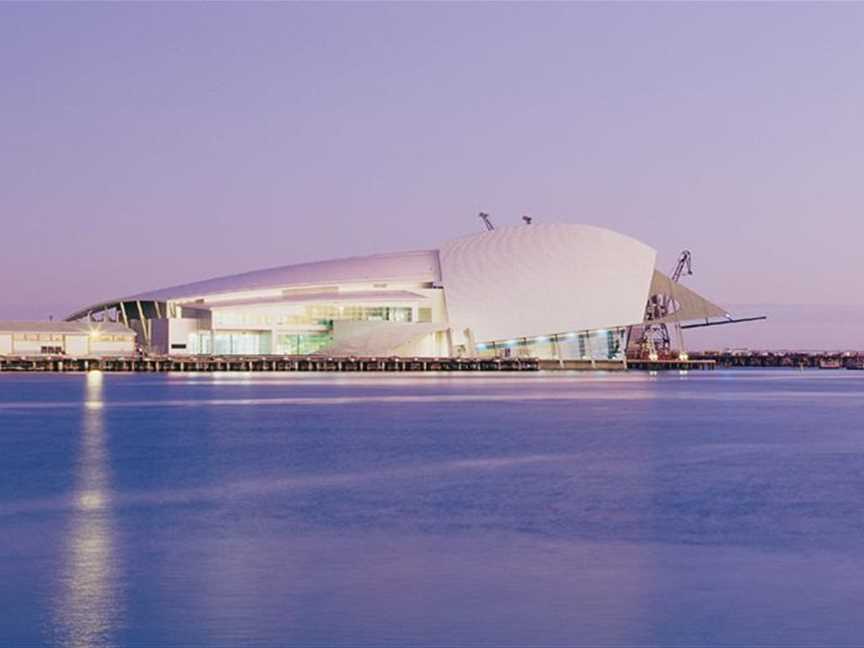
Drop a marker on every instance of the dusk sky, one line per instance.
(145, 145)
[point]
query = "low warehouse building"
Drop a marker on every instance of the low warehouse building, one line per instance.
(79, 339)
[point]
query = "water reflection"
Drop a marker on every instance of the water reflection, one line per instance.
(88, 609)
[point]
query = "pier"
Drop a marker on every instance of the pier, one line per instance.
(732, 359)
(696, 361)
(691, 364)
(782, 359)
(158, 364)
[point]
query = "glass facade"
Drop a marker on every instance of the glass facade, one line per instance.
(308, 315)
(301, 344)
(238, 331)
(602, 344)
(255, 342)
(230, 343)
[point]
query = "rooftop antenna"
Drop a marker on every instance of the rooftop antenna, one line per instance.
(486, 221)
(527, 219)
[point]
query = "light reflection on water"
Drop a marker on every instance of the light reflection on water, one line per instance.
(88, 607)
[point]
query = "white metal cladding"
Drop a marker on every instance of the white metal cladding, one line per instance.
(539, 279)
(417, 266)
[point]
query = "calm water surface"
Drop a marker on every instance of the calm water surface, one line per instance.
(721, 508)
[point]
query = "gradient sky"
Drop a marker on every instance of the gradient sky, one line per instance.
(143, 145)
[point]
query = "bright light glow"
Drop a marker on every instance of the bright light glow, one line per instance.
(512, 342)
(481, 347)
(541, 339)
(94, 333)
(91, 501)
(600, 331)
(683, 356)
(571, 335)
(653, 357)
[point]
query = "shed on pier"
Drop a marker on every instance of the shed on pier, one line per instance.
(20, 338)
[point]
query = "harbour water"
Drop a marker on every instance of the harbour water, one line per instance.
(720, 508)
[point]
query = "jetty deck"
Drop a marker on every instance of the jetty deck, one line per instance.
(697, 361)
(691, 364)
(157, 364)
(210, 364)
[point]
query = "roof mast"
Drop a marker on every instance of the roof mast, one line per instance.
(486, 221)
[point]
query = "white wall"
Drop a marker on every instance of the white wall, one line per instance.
(433, 345)
(178, 331)
(375, 338)
(72, 344)
(76, 345)
(532, 280)
(100, 348)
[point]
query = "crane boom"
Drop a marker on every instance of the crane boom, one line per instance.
(684, 263)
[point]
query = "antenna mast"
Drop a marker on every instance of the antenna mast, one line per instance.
(486, 221)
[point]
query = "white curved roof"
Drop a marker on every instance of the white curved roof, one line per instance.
(540, 279)
(420, 266)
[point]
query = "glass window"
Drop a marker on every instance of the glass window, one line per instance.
(302, 343)
(240, 343)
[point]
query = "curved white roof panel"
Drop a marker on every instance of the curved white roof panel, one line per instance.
(541, 279)
(418, 266)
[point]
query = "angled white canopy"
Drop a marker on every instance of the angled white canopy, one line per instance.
(373, 338)
(691, 306)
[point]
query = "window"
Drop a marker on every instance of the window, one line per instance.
(241, 343)
(178, 346)
(200, 343)
(303, 344)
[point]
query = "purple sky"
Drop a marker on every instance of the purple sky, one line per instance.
(143, 145)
